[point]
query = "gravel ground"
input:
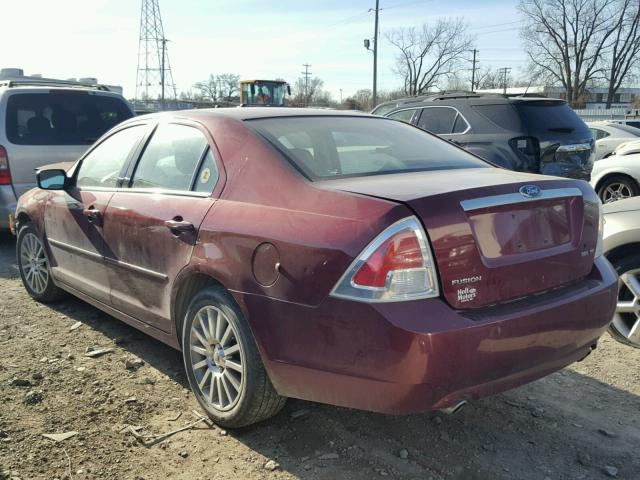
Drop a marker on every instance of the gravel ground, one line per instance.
(580, 423)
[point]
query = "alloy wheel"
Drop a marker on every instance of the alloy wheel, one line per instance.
(33, 263)
(217, 358)
(626, 321)
(616, 191)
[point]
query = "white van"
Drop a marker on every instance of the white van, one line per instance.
(45, 121)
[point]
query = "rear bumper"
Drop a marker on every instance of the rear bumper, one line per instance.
(407, 357)
(7, 205)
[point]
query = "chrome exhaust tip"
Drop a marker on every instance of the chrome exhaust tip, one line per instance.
(454, 408)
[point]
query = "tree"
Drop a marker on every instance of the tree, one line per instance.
(229, 86)
(625, 48)
(565, 41)
(208, 89)
(308, 92)
(219, 88)
(430, 54)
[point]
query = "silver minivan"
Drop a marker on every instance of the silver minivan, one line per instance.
(47, 122)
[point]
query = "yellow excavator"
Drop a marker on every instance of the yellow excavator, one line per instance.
(263, 93)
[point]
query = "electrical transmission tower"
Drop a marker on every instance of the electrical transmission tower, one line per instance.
(153, 79)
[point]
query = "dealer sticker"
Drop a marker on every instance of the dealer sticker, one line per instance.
(467, 294)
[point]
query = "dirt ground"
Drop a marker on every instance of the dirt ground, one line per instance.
(580, 423)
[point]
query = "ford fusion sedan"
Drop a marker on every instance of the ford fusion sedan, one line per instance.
(336, 257)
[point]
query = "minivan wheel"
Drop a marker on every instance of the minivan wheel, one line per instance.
(625, 326)
(33, 265)
(223, 364)
(617, 187)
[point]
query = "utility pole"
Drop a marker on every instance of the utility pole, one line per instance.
(306, 74)
(505, 71)
(375, 58)
(473, 71)
(162, 70)
(340, 95)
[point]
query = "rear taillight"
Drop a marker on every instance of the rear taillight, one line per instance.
(528, 149)
(5, 174)
(397, 265)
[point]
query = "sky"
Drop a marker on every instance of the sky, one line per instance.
(253, 38)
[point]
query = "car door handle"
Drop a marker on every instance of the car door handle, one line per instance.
(179, 225)
(93, 215)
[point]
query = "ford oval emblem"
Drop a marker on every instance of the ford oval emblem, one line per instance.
(530, 191)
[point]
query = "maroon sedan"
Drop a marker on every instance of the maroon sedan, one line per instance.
(334, 257)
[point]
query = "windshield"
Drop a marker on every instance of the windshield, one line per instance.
(333, 147)
(60, 117)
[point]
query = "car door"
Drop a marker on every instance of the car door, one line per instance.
(151, 226)
(73, 217)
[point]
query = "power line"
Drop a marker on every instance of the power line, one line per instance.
(481, 27)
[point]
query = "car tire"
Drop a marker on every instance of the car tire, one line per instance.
(625, 326)
(34, 266)
(223, 364)
(617, 187)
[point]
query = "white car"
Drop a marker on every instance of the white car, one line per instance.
(609, 135)
(627, 148)
(616, 177)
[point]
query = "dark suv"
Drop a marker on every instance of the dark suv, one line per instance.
(526, 134)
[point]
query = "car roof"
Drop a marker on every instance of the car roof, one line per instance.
(26, 88)
(251, 113)
(467, 98)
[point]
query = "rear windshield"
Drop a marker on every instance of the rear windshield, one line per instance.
(333, 147)
(533, 117)
(549, 116)
(61, 117)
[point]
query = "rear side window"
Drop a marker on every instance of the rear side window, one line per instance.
(102, 166)
(171, 158)
(437, 120)
(598, 133)
(503, 115)
(328, 147)
(62, 117)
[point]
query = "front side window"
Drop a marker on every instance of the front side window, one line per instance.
(403, 115)
(102, 166)
(326, 147)
(437, 120)
(171, 158)
(62, 117)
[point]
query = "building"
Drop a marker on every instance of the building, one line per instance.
(596, 97)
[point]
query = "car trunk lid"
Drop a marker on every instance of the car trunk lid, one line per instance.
(496, 235)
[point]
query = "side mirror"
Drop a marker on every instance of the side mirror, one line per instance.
(52, 179)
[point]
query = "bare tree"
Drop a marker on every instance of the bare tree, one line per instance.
(312, 89)
(208, 89)
(488, 78)
(229, 86)
(625, 48)
(565, 41)
(430, 54)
